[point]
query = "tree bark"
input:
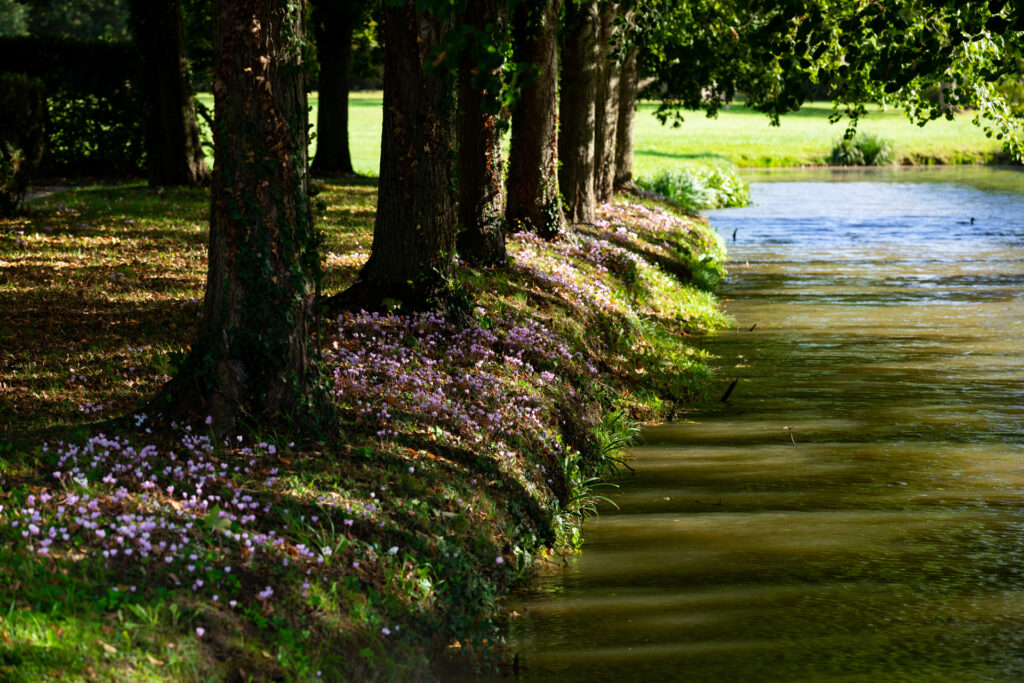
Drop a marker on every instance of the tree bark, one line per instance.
(174, 155)
(412, 258)
(606, 106)
(252, 359)
(578, 92)
(533, 197)
(624, 130)
(481, 169)
(333, 25)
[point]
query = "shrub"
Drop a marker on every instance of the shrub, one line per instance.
(699, 188)
(95, 110)
(863, 149)
(22, 114)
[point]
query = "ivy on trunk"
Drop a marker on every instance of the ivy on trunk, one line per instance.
(412, 259)
(533, 196)
(481, 170)
(606, 104)
(252, 360)
(578, 93)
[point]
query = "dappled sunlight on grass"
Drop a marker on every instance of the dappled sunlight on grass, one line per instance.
(470, 445)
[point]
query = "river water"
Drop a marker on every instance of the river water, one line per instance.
(855, 511)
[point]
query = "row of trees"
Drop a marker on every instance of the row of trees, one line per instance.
(563, 75)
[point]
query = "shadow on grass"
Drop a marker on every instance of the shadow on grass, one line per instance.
(713, 159)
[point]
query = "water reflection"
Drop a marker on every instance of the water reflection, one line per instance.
(856, 511)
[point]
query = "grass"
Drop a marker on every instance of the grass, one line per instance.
(745, 138)
(469, 448)
(738, 136)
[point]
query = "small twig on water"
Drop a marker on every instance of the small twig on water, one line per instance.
(725, 396)
(789, 430)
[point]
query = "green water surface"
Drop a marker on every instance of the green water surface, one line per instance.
(855, 512)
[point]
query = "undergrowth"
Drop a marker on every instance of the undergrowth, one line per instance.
(472, 447)
(701, 187)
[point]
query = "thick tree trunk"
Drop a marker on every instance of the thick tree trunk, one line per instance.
(624, 130)
(413, 254)
(333, 25)
(252, 359)
(533, 197)
(578, 92)
(606, 106)
(481, 170)
(173, 153)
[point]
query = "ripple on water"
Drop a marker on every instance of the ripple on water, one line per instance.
(856, 511)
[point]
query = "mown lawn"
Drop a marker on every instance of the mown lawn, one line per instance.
(738, 136)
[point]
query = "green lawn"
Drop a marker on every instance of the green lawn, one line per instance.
(739, 135)
(746, 138)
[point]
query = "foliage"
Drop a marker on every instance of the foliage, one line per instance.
(79, 20)
(892, 52)
(13, 18)
(863, 149)
(1011, 88)
(699, 188)
(21, 137)
(95, 121)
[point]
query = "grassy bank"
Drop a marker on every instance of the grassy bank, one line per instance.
(131, 552)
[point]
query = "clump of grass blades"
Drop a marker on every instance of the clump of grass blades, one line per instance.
(699, 188)
(864, 149)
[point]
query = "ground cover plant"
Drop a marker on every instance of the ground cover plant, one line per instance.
(470, 445)
(695, 188)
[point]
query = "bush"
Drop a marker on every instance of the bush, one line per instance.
(699, 188)
(22, 112)
(95, 110)
(863, 149)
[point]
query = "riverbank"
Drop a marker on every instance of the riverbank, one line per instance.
(470, 448)
(852, 513)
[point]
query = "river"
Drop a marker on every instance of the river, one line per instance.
(855, 511)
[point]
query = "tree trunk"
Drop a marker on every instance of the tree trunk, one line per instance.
(412, 259)
(173, 153)
(481, 170)
(533, 201)
(606, 106)
(333, 25)
(578, 92)
(624, 130)
(252, 359)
